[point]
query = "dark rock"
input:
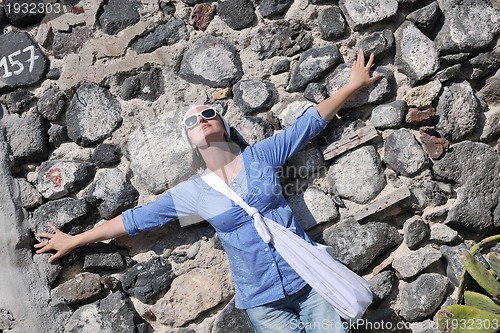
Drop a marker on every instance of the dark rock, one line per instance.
(52, 104)
(379, 43)
(57, 135)
(70, 42)
(420, 298)
(360, 14)
(18, 101)
(425, 17)
(426, 193)
(102, 256)
(26, 137)
(381, 285)
(279, 38)
(112, 193)
(30, 63)
(116, 15)
(280, 66)
(106, 155)
(54, 73)
(403, 153)
(415, 262)
(312, 64)
(473, 22)
(448, 73)
(389, 115)
(83, 288)
(315, 92)
(221, 70)
(145, 281)
(331, 23)
(458, 111)
(356, 245)
(455, 266)
(169, 33)
(92, 115)
(482, 65)
(491, 90)
(273, 8)
(202, 15)
(167, 7)
(415, 232)
(237, 14)
(58, 178)
(146, 85)
(231, 320)
(382, 90)
(21, 16)
(254, 96)
(385, 317)
(30, 197)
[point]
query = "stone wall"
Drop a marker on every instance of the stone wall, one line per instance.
(91, 95)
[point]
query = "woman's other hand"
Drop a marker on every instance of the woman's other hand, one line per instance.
(59, 241)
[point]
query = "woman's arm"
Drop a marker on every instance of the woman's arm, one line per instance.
(359, 78)
(63, 243)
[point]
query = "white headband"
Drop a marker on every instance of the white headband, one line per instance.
(184, 131)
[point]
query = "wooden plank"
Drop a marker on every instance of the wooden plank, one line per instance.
(382, 203)
(352, 140)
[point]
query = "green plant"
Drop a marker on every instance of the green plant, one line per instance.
(479, 313)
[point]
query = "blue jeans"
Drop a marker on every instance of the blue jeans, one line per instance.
(303, 312)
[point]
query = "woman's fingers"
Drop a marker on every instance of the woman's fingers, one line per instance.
(370, 61)
(53, 227)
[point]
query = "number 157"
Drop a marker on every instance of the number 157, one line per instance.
(17, 67)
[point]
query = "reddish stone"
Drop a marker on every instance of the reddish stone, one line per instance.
(55, 176)
(417, 116)
(202, 15)
(434, 146)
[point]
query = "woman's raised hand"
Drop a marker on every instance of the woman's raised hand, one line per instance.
(360, 73)
(59, 241)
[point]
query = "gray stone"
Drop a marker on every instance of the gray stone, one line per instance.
(416, 55)
(146, 85)
(454, 267)
(381, 285)
(415, 232)
(93, 115)
(344, 127)
(426, 193)
(67, 214)
(469, 25)
(83, 288)
(116, 15)
(253, 129)
(403, 153)
(70, 42)
(312, 207)
(356, 245)
(279, 38)
(102, 256)
(491, 127)
(106, 155)
(280, 66)
(169, 33)
(49, 271)
(29, 63)
(273, 8)
(58, 178)
(30, 197)
(254, 96)
(312, 64)
(18, 101)
(304, 163)
(357, 175)
(154, 152)
(145, 281)
(482, 65)
(360, 14)
(315, 92)
(425, 17)
(52, 104)
(473, 167)
(22, 16)
(57, 135)
(491, 90)
(231, 320)
(448, 73)
(331, 23)
(115, 313)
(212, 61)
(412, 264)
(419, 299)
(380, 91)
(442, 234)
(237, 14)
(389, 115)
(112, 193)
(26, 137)
(379, 43)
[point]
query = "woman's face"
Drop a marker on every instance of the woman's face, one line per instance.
(206, 131)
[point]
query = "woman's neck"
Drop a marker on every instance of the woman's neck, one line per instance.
(222, 159)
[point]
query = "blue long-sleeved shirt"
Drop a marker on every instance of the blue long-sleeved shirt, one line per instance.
(260, 274)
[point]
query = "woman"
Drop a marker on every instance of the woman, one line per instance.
(275, 298)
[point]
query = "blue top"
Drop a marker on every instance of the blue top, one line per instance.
(260, 274)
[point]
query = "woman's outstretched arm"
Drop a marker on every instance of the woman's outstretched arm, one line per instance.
(359, 78)
(63, 243)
